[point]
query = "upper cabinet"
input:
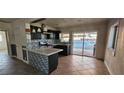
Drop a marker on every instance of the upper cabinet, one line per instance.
(37, 33)
(55, 34)
(35, 29)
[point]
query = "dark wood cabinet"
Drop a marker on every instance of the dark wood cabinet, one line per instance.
(52, 34)
(36, 29)
(66, 49)
(36, 35)
(48, 36)
(55, 34)
(13, 50)
(53, 62)
(24, 52)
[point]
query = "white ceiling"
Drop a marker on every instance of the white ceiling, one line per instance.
(7, 20)
(65, 22)
(61, 22)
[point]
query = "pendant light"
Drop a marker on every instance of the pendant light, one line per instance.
(39, 30)
(33, 31)
(44, 28)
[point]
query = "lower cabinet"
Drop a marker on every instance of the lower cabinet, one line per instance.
(66, 49)
(24, 54)
(53, 62)
(13, 50)
(45, 64)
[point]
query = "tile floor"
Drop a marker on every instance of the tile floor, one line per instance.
(13, 66)
(68, 65)
(78, 65)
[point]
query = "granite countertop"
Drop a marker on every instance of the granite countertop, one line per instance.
(45, 51)
(61, 44)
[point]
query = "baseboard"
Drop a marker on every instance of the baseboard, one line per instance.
(108, 68)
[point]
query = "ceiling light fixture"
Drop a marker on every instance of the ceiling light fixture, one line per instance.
(39, 30)
(33, 31)
(44, 27)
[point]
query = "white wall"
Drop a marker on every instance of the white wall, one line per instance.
(18, 29)
(115, 63)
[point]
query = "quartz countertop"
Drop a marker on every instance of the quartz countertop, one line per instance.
(46, 51)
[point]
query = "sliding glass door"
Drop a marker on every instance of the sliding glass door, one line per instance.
(84, 43)
(78, 43)
(89, 43)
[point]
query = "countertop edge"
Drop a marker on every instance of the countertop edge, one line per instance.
(57, 51)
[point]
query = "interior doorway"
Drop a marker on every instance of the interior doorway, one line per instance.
(84, 43)
(3, 43)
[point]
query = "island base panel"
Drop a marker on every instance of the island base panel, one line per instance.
(53, 62)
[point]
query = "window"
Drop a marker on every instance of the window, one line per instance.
(113, 36)
(0, 38)
(64, 37)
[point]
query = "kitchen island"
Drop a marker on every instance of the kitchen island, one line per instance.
(65, 47)
(44, 59)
